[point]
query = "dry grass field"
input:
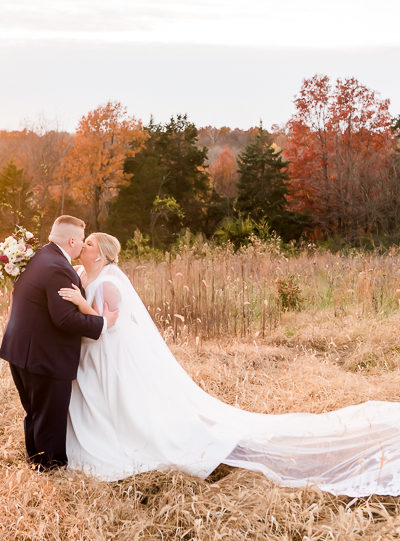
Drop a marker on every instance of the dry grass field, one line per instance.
(336, 343)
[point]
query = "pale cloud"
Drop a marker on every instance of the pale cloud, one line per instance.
(311, 23)
(233, 86)
(226, 62)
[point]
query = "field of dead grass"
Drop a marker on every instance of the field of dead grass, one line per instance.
(315, 359)
(209, 292)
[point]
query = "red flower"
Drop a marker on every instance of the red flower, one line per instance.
(4, 259)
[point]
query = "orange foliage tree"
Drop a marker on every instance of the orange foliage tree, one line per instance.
(224, 173)
(339, 147)
(39, 152)
(94, 166)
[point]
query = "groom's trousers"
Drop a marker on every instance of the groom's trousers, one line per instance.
(46, 402)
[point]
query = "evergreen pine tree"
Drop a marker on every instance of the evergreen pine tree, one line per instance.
(170, 167)
(262, 188)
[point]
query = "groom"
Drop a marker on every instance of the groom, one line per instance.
(42, 341)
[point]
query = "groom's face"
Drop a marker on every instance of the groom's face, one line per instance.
(76, 242)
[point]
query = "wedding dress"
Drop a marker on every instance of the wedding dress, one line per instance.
(134, 409)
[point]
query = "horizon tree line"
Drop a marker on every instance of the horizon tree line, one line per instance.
(334, 170)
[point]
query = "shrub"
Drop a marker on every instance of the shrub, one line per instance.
(289, 293)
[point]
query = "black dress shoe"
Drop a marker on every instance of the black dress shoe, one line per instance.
(39, 463)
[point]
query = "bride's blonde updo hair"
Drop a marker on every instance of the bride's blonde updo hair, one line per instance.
(109, 247)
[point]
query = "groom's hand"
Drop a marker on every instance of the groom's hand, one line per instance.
(111, 317)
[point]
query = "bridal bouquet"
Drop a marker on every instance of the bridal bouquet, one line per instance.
(15, 253)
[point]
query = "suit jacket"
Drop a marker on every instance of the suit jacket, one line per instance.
(43, 333)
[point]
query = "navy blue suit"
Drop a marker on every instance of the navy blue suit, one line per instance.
(42, 344)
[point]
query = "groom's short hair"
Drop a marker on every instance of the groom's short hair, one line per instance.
(62, 230)
(71, 220)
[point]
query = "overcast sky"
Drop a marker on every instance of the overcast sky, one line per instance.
(224, 62)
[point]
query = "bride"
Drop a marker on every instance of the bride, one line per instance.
(134, 409)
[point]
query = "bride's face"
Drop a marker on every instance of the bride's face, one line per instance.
(90, 252)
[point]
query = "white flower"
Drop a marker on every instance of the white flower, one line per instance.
(8, 267)
(11, 241)
(18, 251)
(10, 254)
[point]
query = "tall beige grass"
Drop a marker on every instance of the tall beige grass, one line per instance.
(218, 292)
(340, 348)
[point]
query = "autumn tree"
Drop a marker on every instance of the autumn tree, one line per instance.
(40, 152)
(15, 199)
(388, 205)
(218, 139)
(224, 174)
(339, 148)
(395, 128)
(46, 162)
(94, 166)
(169, 187)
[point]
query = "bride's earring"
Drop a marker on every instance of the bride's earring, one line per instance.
(98, 259)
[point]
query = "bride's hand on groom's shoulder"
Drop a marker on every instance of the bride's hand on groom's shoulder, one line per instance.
(72, 295)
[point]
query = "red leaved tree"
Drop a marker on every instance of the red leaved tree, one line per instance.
(339, 148)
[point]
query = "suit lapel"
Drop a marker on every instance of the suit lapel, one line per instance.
(56, 250)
